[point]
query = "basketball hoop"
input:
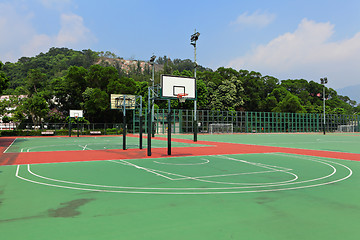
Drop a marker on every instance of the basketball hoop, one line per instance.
(181, 96)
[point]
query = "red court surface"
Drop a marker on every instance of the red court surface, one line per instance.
(212, 148)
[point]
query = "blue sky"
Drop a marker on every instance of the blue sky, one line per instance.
(306, 39)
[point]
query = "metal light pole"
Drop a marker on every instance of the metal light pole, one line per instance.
(150, 102)
(323, 82)
(152, 62)
(194, 38)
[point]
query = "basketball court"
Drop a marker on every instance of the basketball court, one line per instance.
(254, 186)
(206, 186)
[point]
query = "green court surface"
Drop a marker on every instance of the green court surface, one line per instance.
(82, 143)
(232, 196)
(330, 142)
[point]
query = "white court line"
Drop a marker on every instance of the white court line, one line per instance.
(9, 145)
(230, 174)
(182, 177)
(190, 193)
(275, 168)
(84, 147)
(210, 190)
(146, 169)
(183, 164)
(291, 181)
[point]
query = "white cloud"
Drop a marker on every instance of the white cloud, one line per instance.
(56, 4)
(307, 53)
(14, 31)
(257, 19)
(19, 36)
(73, 31)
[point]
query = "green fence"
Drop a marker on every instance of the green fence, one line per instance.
(182, 122)
(249, 122)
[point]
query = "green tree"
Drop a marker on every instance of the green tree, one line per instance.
(254, 86)
(75, 85)
(36, 81)
(99, 77)
(122, 85)
(4, 81)
(95, 103)
(36, 107)
(291, 104)
(227, 96)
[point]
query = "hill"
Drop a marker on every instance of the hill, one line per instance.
(64, 79)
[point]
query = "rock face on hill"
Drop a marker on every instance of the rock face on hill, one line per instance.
(128, 65)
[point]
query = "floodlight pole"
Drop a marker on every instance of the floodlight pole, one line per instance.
(194, 38)
(150, 106)
(140, 125)
(149, 124)
(124, 123)
(152, 62)
(324, 106)
(323, 82)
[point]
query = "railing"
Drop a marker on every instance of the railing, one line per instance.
(182, 122)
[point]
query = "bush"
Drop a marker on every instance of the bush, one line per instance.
(20, 133)
(113, 131)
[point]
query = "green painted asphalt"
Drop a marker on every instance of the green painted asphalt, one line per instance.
(32, 211)
(330, 142)
(83, 143)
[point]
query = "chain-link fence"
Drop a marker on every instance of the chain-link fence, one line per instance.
(183, 122)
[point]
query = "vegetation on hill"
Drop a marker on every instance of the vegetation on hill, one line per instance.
(64, 79)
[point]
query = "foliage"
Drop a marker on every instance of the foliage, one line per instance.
(4, 80)
(36, 107)
(64, 79)
(291, 104)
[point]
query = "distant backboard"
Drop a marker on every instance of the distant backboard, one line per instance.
(171, 86)
(76, 113)
(117, 101)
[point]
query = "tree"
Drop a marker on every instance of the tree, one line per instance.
(227, 96)
(75, 85)
(99, 77)
(95, 102)
(4, 81)
(35, 81)
(36, 107)
(122, 85)
(253, 91)
(291, 104)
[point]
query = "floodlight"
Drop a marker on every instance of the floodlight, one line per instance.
(152, 59)
(195, 36)
(324, 80)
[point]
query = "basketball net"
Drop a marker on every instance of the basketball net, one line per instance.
(181, 96)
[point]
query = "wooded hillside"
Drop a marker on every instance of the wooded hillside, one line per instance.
(64, 79)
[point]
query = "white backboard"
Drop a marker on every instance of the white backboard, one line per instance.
(76, 113)
(171, 86)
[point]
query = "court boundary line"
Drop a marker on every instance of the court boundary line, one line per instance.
(9, 145)
(186, 193)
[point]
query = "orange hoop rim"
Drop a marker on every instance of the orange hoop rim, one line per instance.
(181, 95)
